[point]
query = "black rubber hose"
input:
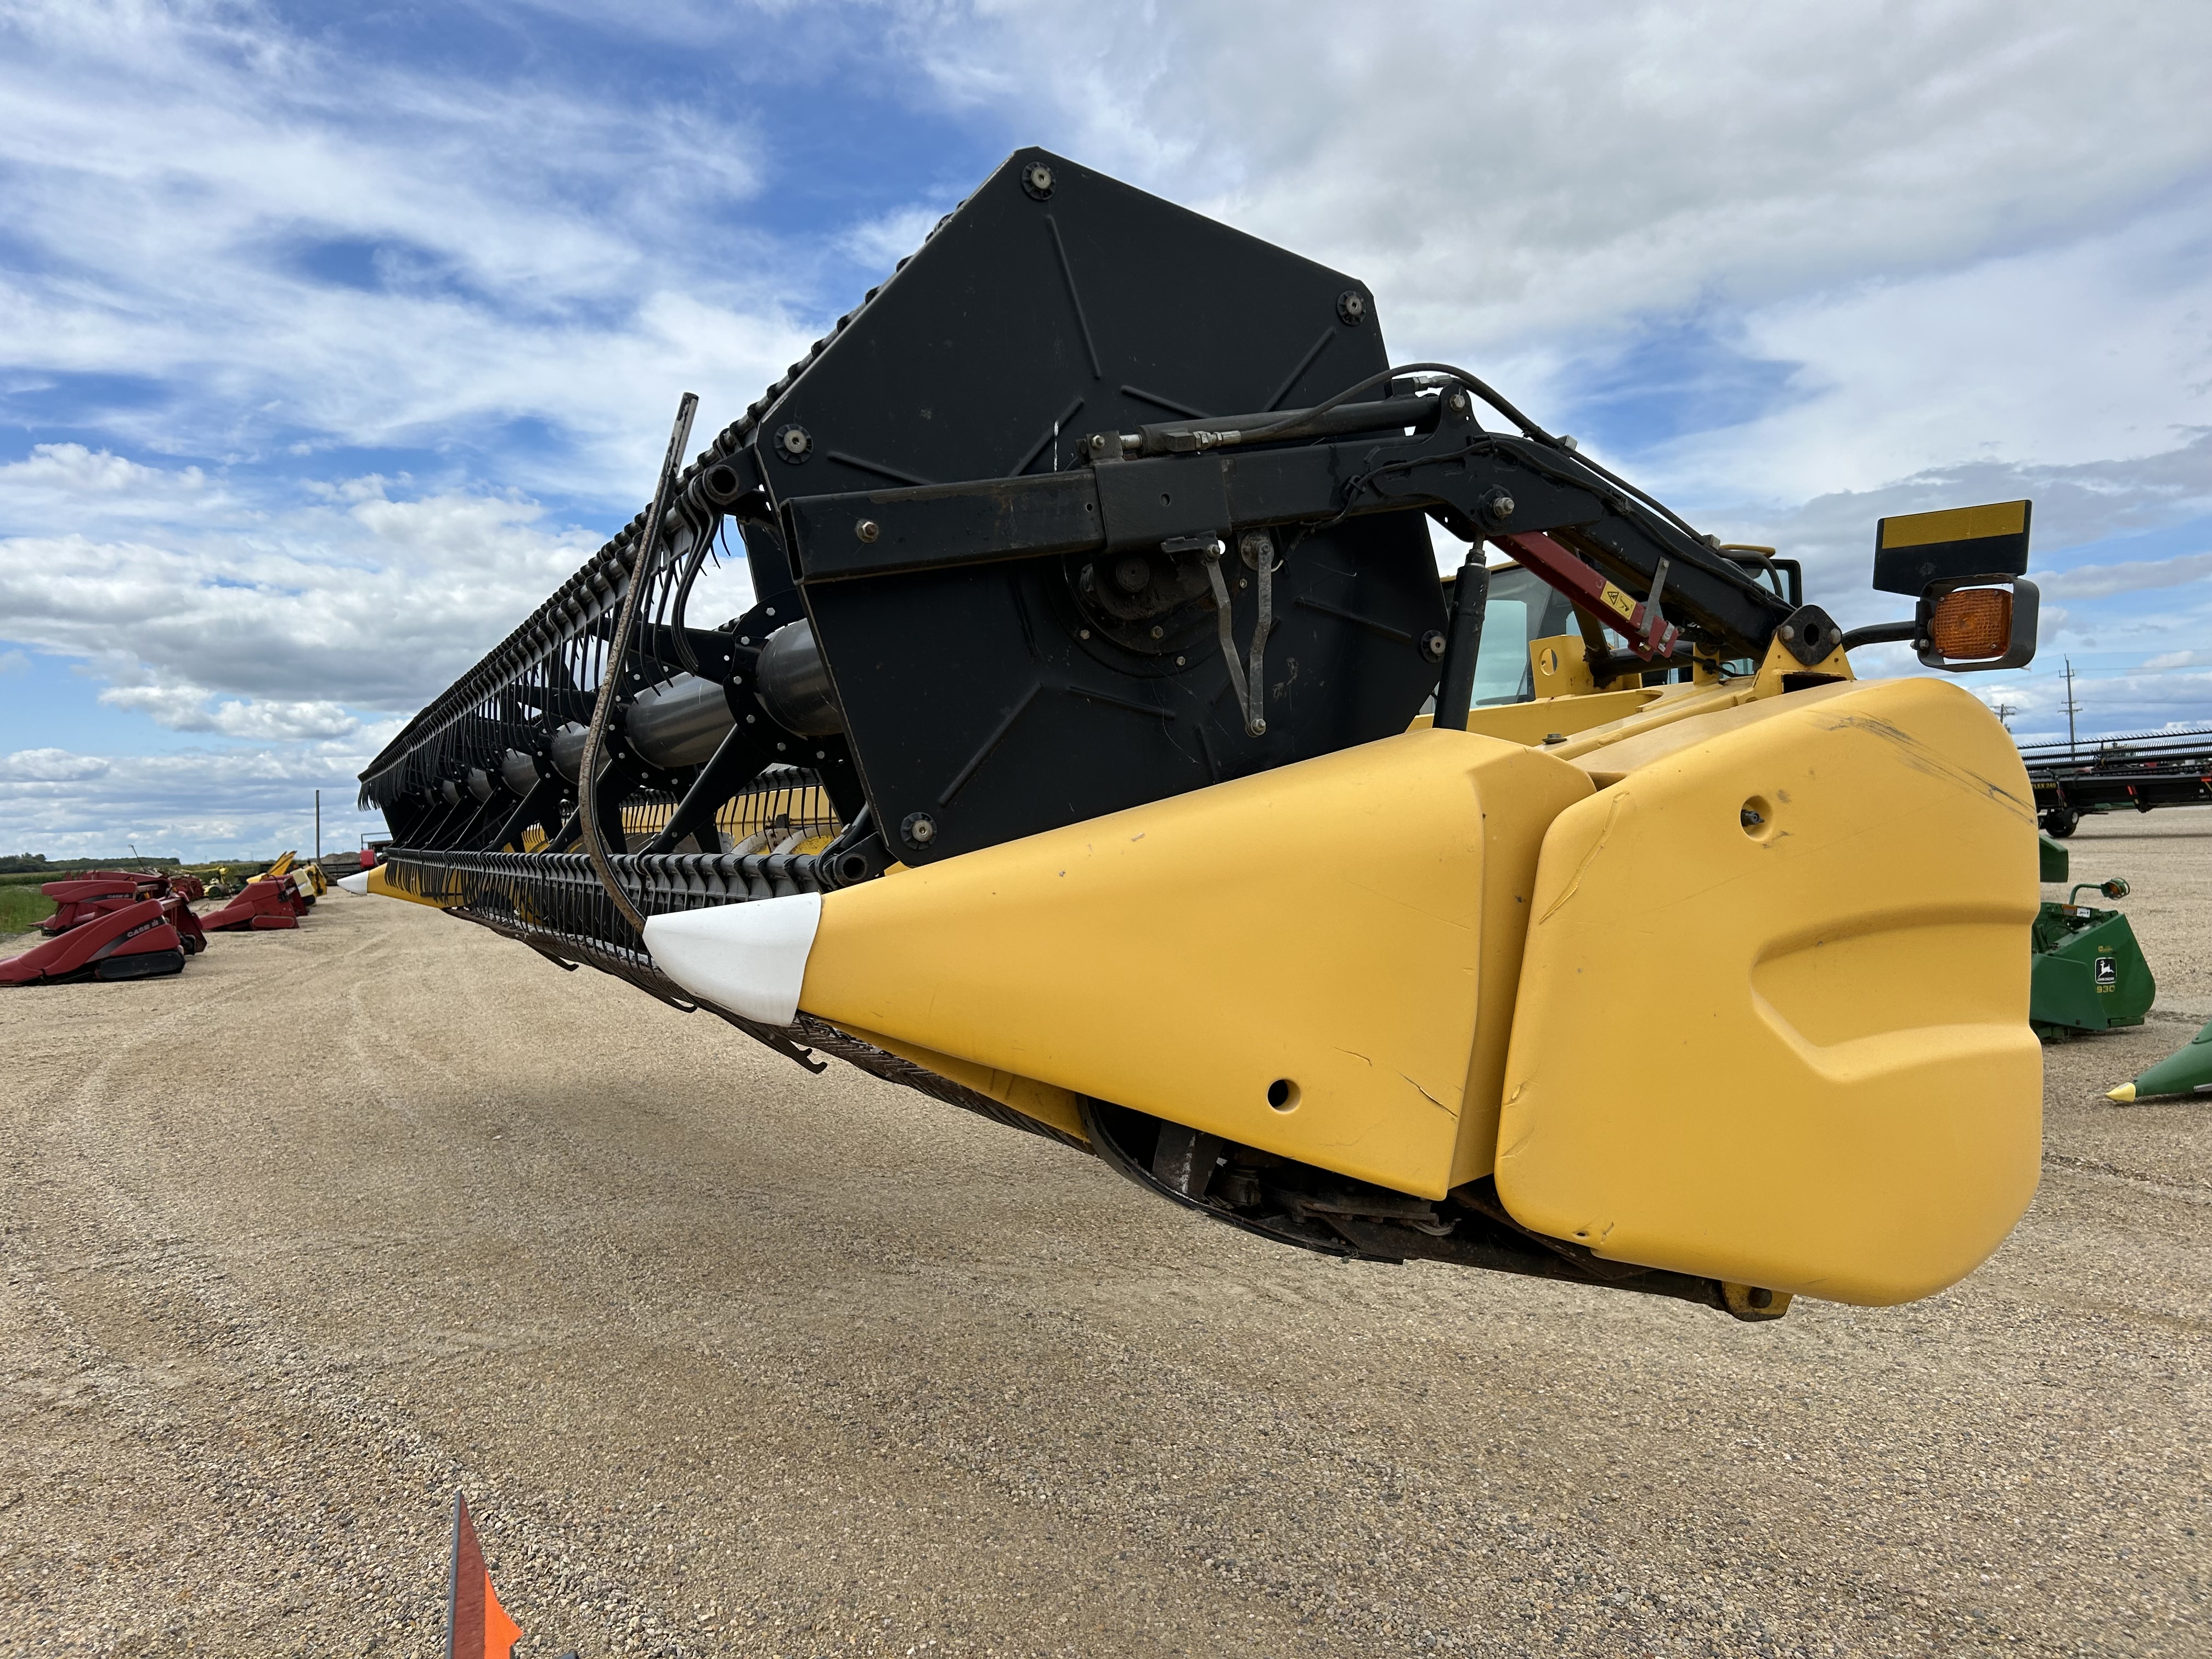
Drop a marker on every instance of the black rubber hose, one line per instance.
(1489, 395)
(1881, 634)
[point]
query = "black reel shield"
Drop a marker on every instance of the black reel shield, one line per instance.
(989, 701)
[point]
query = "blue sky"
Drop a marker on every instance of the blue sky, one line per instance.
(329, 346)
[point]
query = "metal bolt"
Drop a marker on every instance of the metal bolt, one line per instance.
(1158, 632)
(867, 530)
(1432, 645)
(1457, 403)
(793, 443)
(1083, 634)
(1036, 179)
(1178, 662)
(1787, 632)
(821, 754)
(1750, 818)
(1258, 728)
(919, 830)
(1555, 737)
(1351, 307)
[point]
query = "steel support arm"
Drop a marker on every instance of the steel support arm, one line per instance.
(1479, 485)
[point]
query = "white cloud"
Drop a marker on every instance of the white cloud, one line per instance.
(51, 766)
(2167, 660)
(195, 708)
(368, 601)
(71, 470)
(2098, 350)
(1500, 172)
(293, 240)
(2091, 582)
(2164, 696)
(883, 241)
(198, 804)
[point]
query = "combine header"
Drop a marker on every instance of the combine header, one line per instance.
(2141, 772)
(112, 924)
(1103, 755)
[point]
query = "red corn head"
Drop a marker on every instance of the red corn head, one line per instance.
(139, 940)
(98, 893)
(273, 903)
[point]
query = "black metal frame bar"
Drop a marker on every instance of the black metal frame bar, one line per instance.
(1476, 483)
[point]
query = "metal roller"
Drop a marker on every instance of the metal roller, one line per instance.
(568, 750)
(679, 722)
(795, 687)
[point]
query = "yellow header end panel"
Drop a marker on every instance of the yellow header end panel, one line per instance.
(1772, 1024)
(1340, 926)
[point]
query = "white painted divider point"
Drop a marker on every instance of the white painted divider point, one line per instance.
(750, 958)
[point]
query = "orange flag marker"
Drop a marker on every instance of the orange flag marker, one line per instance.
(476, 1627)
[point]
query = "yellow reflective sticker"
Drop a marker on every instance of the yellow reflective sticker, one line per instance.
(1957, 523)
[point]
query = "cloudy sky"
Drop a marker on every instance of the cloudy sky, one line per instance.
(332, 337)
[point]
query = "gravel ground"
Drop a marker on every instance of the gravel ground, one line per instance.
(733, 1360)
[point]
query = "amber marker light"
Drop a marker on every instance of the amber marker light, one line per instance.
(1973, 622)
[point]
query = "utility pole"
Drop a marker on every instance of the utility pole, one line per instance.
(2072, 707)
(2004, 712)
(318, 829)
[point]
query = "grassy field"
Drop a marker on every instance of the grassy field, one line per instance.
(22, 908)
